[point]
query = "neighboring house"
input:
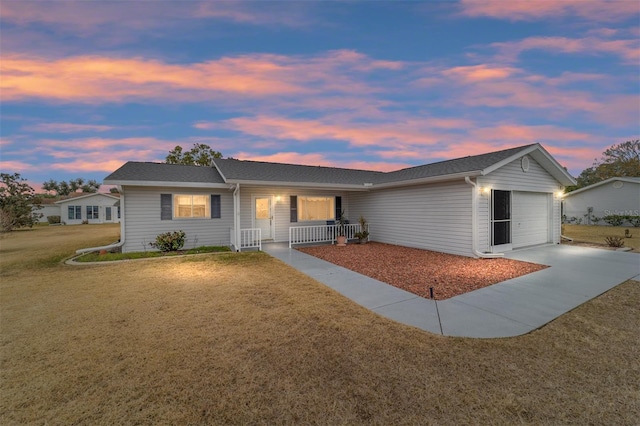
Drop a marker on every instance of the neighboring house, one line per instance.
(614, 196)
(49, 208)
(93, 208)
(469, 206)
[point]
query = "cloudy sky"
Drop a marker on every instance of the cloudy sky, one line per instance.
(87, 86)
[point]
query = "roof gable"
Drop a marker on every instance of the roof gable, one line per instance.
(81, 197)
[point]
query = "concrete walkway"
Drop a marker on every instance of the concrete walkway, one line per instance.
(509, 308)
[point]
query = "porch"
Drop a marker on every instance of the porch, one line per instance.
(249, 238)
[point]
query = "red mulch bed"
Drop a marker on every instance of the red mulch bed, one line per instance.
(416, 270)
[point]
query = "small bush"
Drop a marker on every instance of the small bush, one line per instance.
(614, 219)
(614, 241)
(169, 241)
(634, 221)
(53, 220)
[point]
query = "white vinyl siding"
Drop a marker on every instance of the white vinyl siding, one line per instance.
(433, 217)
(282, 208)
(511, 177)
(142, 219)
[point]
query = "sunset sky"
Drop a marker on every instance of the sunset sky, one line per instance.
(87, 86)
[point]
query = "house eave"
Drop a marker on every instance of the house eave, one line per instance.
(595, 185)
(93, 194)
(168, 184)
(431, 179)
(308, 185)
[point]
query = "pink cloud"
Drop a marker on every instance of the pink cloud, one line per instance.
(98, 79)
(592, 10)
(627, 49)
(479, 73)
(66, 128)
(17, 166)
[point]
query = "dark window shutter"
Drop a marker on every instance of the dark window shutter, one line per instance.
(215, 207)
(294, 208)
(338, 207)
(166, 207)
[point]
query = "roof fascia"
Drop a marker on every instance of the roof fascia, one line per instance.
(314, 185)
(431, 179)
(595, 185)
(85, 196)
(165, 184)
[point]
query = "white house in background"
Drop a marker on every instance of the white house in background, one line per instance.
(614, 196)
(470, 206)
(93, 208)
(49, 208)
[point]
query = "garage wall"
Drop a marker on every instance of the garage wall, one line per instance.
(433, 217)
(512, 177)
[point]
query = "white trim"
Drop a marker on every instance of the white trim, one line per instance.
(81, 197)
(595, 185)
(121, 183)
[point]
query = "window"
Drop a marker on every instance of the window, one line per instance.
(316, 208)
(75, 213)
(92, 212)
(189, 206)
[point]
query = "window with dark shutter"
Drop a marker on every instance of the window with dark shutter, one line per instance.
(166, 207)
(294, 208)
(338, 207)
(215, 207)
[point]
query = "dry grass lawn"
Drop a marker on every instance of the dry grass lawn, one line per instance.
(244, 339)
(596, 234)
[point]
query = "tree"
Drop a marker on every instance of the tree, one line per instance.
(617, 161)
(114, 190)
(200, 155)
(18, 201)
(64, 188)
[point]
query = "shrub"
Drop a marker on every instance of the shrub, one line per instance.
(634, 221)
(614, 219)
(53, 220)
(169, 241)
(614, 241)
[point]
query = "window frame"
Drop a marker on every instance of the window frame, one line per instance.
(76, 211)
(94, 213)
(300, 209)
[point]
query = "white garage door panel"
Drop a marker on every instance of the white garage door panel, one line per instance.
(530, 219)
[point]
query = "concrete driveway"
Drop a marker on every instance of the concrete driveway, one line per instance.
(509, 308)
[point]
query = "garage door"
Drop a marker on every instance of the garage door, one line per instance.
(530, 218)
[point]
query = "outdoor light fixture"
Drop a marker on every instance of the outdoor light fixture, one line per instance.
(278, 198)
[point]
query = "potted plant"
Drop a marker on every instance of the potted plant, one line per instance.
(341, 238)
(363, 234)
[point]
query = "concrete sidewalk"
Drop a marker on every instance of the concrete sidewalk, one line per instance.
(509, 308)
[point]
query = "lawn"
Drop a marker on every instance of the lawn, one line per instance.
(242, 338)
(597, 234)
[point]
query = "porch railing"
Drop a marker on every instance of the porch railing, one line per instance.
(249, 238)
(320, 233)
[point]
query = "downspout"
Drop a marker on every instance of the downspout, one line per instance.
(236, 214)
(122, 234)
(474, 224)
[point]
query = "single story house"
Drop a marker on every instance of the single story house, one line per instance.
(470, 206)
(614, 196)
(81, 207)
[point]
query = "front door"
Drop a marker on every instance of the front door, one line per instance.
(263, 217)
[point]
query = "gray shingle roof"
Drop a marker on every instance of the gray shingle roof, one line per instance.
(256, 171)
(239, 170)
(162, 172)
(458, 165)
